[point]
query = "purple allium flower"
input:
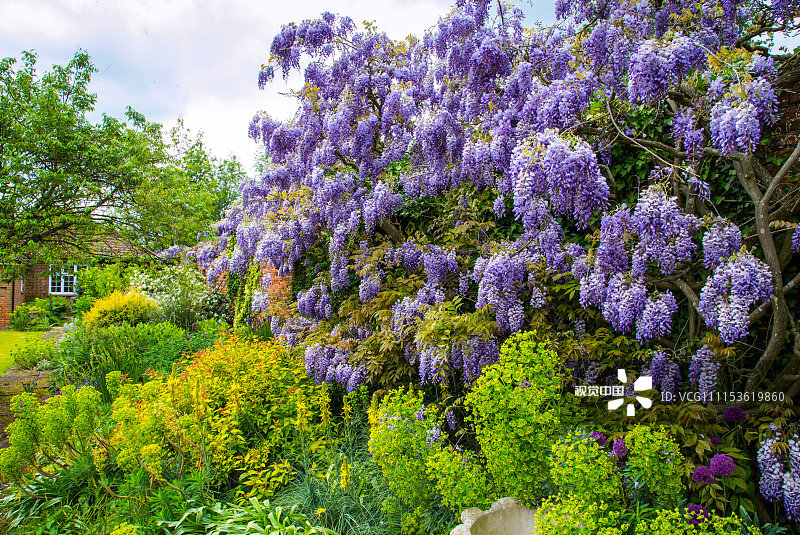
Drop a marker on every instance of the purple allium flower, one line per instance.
(619, 448)
(721, 465)
(714, 441)
(696, 513)
(599, 437)
(703, 475)
(734, 415)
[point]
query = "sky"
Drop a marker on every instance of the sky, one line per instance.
(196, 59)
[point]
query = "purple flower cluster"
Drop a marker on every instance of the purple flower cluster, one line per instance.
(619, 448)
(771, 481)
(439, 263)
(328, 364)
(696, 514)
(703, 475)
(703, 372)
(736, 285)
(721, 241)
(315, 303)
(599, 437)
(685, 131)
(566, 174)
(500, 280)
(734, 415)
(656, 318)
(722, 465)
(791, 495)
(666, 376)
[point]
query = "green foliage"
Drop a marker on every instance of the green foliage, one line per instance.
(118, 308)
(61, 174)
(405, 443)
(130, 349)
(459, 478)
(40, 314)
(42, 433)
(579, 467)
(342, 486)
(34, 352)
(240, 292)
(400, 431)
(656, 461)
(250, 518)
(96, 282)
(671, 521)
(571, 515)
(183, 196)
(238, 412)
(518, 407)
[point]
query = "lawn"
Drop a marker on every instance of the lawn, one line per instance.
(9, 339)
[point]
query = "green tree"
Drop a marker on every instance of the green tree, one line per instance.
(68, 183)
(62, 179)
(183, 196)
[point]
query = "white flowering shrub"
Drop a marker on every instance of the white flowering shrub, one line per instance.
(183, 294)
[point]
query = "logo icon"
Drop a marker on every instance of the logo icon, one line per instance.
(642, 384)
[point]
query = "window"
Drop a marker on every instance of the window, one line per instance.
(63, 282)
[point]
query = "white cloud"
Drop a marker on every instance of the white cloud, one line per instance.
(198, 59)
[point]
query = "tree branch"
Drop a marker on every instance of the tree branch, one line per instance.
(781, 174)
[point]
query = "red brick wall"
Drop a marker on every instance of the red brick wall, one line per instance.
(5, 301)
(37, 282)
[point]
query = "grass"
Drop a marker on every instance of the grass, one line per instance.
(9, 339)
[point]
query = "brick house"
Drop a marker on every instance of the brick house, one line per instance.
(38, 281)
(42, 280)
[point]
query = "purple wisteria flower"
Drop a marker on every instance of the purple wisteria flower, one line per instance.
(721, 465)
(703, 475)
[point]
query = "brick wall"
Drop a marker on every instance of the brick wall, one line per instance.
(5, 301)
(37, 283)
(5, 305)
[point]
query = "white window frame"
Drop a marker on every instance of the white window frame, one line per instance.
(66, 271)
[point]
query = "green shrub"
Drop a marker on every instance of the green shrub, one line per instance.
(400, 438)
(581, 468)
(567, 514)
(118, 308)
(32, 352)
(655, 460)
(96, 282)
(130, 349)
(518, 410)
(238, 412)
(40, 314)
(673, 521)
(460, 479)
